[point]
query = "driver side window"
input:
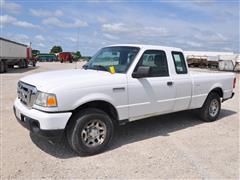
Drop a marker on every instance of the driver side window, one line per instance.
(157, 61)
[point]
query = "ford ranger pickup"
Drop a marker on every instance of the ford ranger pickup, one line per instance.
(120, 84)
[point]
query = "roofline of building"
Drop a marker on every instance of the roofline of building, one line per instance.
(1, 38)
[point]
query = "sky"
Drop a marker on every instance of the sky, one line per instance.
(88, 25)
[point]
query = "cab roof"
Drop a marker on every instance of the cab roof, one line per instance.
(144, 46)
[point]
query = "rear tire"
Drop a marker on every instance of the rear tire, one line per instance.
(25, 62)
(90, 131)
(21, 63)
(3, 66)
(211, 108)
(11, 66)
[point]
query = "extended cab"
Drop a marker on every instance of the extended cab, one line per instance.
(121, 83)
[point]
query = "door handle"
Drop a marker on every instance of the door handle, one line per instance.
(169, 83)
(119, 89)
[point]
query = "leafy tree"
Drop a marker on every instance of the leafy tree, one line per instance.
(56, 49)
(78, 54)
(35, 52)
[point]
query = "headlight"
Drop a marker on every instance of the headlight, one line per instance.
(46, 99)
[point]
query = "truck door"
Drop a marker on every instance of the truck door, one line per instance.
(155, 93)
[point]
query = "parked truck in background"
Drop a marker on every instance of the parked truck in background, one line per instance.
(120, 84)
(14, 53)
(65, 57)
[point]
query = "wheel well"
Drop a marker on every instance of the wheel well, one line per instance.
(101, 105)
(219, 91)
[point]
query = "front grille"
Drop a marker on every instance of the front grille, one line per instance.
(26, 93)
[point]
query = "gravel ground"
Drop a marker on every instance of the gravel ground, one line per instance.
(178, 145)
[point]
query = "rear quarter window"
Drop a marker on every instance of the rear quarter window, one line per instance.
(179, 62)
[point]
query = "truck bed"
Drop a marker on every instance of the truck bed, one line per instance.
(205, 80)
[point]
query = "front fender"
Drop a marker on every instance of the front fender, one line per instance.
(93, 97)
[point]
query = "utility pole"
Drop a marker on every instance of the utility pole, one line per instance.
(77, 47)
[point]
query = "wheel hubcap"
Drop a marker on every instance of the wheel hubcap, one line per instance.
(214, 107)
(94, 133)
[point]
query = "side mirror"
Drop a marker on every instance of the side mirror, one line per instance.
(141, 72)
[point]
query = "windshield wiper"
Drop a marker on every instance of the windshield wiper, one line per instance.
(95, 67)
(100, 67)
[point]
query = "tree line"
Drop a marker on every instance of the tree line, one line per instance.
(56, 49)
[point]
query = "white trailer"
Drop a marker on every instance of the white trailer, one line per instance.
(229, 62)
(13, 53)
(206, 53)
(225, 61)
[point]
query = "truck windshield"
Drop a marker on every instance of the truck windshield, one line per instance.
(119, 57)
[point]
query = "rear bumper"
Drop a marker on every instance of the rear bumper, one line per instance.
(229, 97)
(49, 125)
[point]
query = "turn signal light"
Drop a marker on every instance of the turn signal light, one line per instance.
(234, 83)
(51, 101)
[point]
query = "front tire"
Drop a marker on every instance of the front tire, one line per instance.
(90, 131)
(211, 108)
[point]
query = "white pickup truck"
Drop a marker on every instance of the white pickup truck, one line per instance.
(121, 83)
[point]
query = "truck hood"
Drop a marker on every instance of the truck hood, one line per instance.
(75, 78)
